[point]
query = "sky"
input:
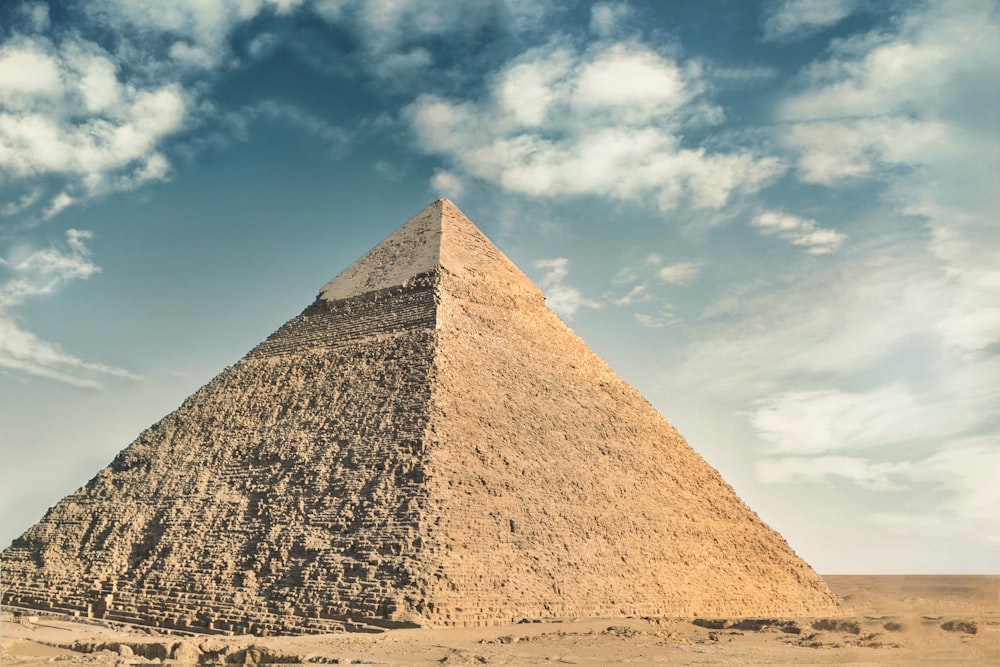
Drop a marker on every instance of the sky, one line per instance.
(776, 219)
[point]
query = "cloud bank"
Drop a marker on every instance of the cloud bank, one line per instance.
(601, 121)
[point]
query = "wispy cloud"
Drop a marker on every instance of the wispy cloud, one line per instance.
(681, 273)
(817, 421)
(645, 282)
(40, 273)
(964, 497)
(447, 184)
(819, 469)
(842, 378)
(560, 120)
(791, 324)
(610, 19)
(183, 35)
(336, 139)
(25, 201)
(660, 319)
(560, 296)
(393, 36)
(637, 294)
(786, 20)
(959, 495)
(799, 231)
(916, 108)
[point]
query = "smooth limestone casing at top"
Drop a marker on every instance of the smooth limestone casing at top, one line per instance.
(427, 444)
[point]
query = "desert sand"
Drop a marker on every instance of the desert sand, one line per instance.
(887, 620)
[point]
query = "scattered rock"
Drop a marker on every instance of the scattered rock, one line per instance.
(968, 627)
(623, 631)
(186, 653)
(837, 625)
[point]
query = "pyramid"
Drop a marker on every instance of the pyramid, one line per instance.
(427, 444)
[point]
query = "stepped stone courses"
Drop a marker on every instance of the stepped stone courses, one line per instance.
(426, 444)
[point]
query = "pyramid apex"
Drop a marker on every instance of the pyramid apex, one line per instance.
(439, 237)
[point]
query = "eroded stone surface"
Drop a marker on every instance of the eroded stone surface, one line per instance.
(426, 444)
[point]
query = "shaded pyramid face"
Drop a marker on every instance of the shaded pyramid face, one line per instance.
(426, 444)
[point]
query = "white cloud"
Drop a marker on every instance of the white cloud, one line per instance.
(526, 91)
(907, 97)
(25, 201)
(23, 352)
(970, 472)
(845, 355)
(564, 299)
(387, 25)
(637, 294)
(36, 274)
(635, 82)
(678, 274)
(608, 19)
(790, 324)
(262, 45)
(836, 151)
(971, 328)
(642, 279)
(36, 15)
(793, 19)
(732, 76)
(27, 73)
(819, 469)
(284, 6)
(336, 139)
(193, 56)
(447, 184)
(65, 113)
(41, 272)
(626, 276)
(527, 16)
(83, 121)
(816, 421)
(958, 495)
(559, 121)
(60, 202)
(965, 497)
(799, 231)
(154, 167)
(400, 64)
(390, 32)
(659, 320)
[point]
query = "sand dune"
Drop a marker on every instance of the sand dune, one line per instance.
(887, 620)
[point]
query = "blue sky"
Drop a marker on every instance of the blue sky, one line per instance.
(776, 219)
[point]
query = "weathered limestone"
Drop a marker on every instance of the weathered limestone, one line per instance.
(426, 444)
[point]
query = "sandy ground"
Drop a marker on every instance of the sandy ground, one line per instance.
(888, 620)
